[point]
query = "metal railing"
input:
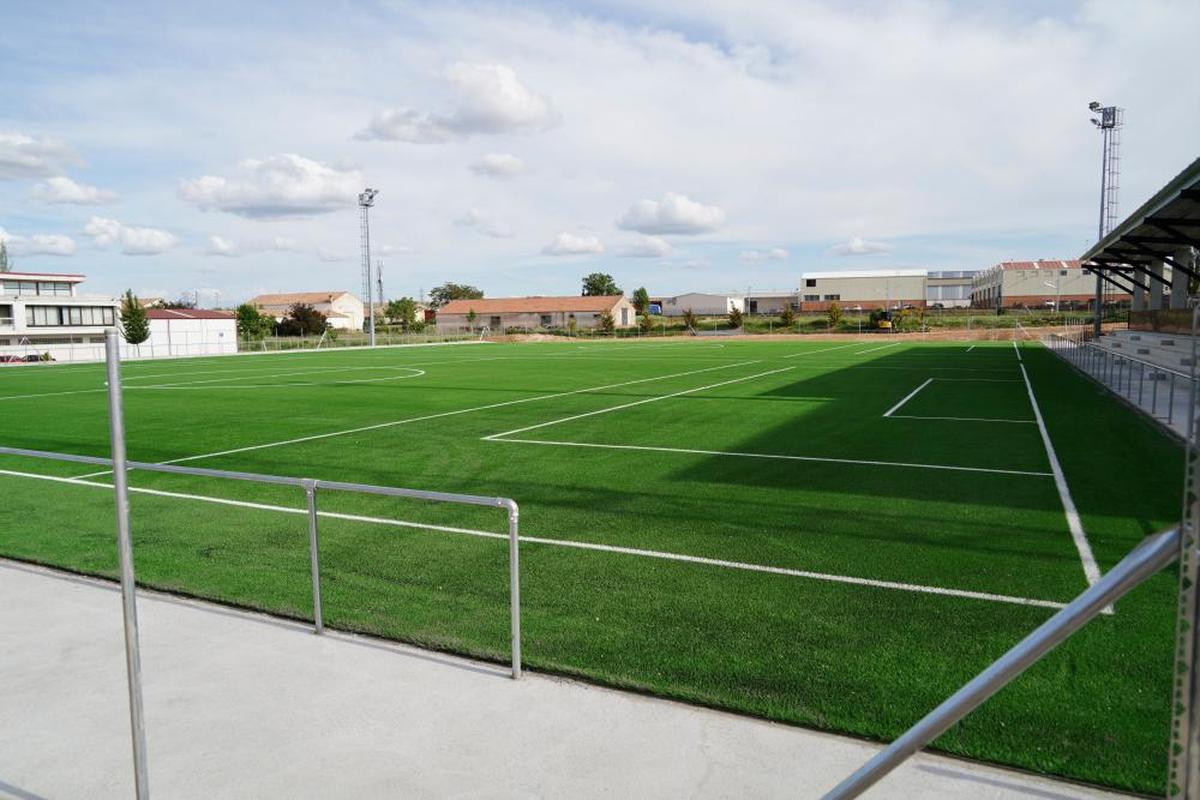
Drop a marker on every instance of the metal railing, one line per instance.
(1127, 377)
(120, 467)
(1145, 560)
(310, 487)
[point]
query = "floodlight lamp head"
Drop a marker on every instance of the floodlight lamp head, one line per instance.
(366, 197)
(1092, 106)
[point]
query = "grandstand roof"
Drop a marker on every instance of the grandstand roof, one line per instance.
(1156, 231)
(1041, 263)
(532, 305)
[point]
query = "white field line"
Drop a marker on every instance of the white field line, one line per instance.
(972, 347)
(593, 546)
(1090, 570)
(982, 380)
(907, 397)
(736, 454)
(824, 350)
(425, 417)
(635, 403)
(966, 419)
(1018, 350)
(881, 347)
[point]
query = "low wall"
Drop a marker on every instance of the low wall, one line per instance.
(95, 352)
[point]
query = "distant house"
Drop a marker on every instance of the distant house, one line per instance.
(702, 304)
(534, 312)
(343, 310)
(190, 332)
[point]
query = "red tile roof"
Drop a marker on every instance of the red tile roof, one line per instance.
(186, 313)
(533, 305)
(291, 298)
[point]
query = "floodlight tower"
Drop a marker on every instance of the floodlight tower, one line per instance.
(379, 280)
(366, 199)
(1108, 121)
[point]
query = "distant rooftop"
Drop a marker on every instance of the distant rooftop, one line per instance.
(869, 273)
(64, 277)
(186, 313)
(532, 305)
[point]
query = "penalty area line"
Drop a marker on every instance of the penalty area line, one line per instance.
(579, 545)
(907, 397)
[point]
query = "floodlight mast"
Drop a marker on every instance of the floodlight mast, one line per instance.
(1108, 121)
(366, 199)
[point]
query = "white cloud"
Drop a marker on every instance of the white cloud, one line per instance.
(282, 243)
(489, 99)
(133, 241)
(857, 246)
(23, 156)
(39, 244)
(285, 185)
(674, 213)
(482, 222)
(220, 246)
(647, 247)
(332, 256)
(571, 244)
(62, 190)
(773, 254)
(498, 165)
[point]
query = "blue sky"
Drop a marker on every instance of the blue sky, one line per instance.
(169, 147)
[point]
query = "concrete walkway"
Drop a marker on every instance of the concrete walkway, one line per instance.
(242, 705)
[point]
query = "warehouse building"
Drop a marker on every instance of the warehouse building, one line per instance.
(1038, 284)
(500, 314)
(701, 304)
(882, 288)
(772, 303)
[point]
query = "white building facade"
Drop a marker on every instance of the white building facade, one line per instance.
(702, 305)
(44, 312)
(180, 332)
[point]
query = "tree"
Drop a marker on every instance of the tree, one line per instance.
(440, 295)
(645, 323)
(599, 283)
(134, 325)
(302, 320)
(251, 324)
(4, 265)
(471, 317)
(689, 319)
(641, 300)
(607, 323)
(787, 317)
(403, 312)
(834, 313)
(182, 302)
(735, 317)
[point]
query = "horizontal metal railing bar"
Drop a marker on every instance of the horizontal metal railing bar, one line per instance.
(1150, 556)
(1119, 354)
(366, 488)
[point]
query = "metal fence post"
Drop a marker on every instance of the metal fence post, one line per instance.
(310, 494)
(514, 585)
(133, 659)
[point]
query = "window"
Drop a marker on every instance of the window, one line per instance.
(1062, 272)
(494, 323)
(810, 282)
(6, 317)
(48, 316)
(546, 320)
(624, 316)
(833, 297)
(753, 306)
(811, 298)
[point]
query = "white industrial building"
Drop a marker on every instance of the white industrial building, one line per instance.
(701, 304)
(1039, 284)
(880, 288)
(189, 332)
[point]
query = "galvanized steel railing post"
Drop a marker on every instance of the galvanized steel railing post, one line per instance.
(310, 494)
(514, 585)
(133, 659)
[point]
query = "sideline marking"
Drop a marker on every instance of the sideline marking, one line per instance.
(881, 347)
(823, 350)
(1018, 350)
(594, 546)
(635, 403)
(425, 417)
(1090, 570)
(965, 419)
(972, 347)
(907, 397)
(822, 459)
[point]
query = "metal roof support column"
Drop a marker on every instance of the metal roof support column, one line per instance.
(1139, 298)
(1179, 281)
(1156, 286)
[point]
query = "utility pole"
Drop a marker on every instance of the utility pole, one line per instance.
(366, 199)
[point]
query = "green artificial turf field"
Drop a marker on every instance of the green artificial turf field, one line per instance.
(883, 514)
